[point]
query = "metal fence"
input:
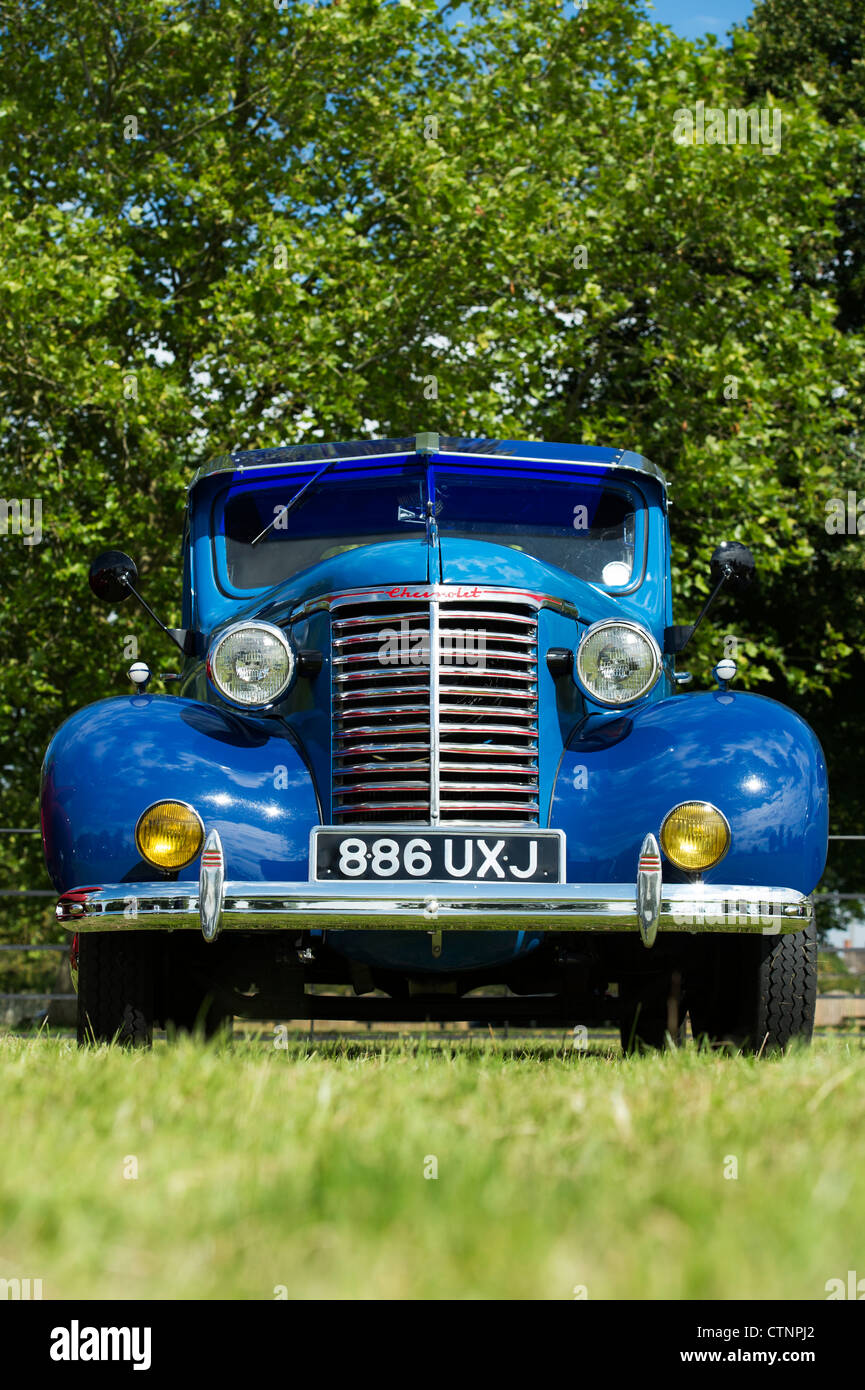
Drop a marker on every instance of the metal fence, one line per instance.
(22, 996)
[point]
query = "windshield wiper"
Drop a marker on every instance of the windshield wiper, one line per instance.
(289, 506)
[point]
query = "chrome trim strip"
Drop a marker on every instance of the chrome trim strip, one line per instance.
(352, 769)
(489, 786)
(445, 593)
(500, 655)
(488, 706)
(386, 731)
(419, 747)
(374, 711)
(649, 889)
(355, 658)
(379, 693)
(637, 463)
(434, 713)
(211, 883)
(685, 907)
(491, 710)
(498, 750)
(529, 770)
(346, 790)
(532, 733)
(362, 450)
(491, 696)
(374, 621)
(488, 616)
(305, 454)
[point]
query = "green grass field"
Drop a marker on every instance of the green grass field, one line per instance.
(304, 1168)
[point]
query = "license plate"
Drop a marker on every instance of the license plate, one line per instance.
(436, 855)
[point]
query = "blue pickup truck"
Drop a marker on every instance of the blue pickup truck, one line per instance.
(430, 736)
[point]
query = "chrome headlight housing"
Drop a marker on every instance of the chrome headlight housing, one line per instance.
(618, 662)
(252, 664)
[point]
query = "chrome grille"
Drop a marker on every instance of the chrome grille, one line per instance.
(448, 741)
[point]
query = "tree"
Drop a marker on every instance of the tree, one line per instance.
(820, 50)
(222, 229)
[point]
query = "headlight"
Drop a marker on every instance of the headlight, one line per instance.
(695, 835)
(251, 664)
(169, 834)
(617, 662)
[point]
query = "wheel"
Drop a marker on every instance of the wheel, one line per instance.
(650, 1012)
(187, 1004)
(115, 988)
(757, 992)
(194, 1012)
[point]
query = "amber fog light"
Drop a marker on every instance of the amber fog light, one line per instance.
(695, 835)
(169, 834)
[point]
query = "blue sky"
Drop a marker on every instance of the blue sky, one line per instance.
(691, 18)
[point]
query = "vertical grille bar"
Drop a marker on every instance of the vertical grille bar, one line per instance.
(488, 711)
(435, 739)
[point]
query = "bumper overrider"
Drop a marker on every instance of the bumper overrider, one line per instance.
(645, 907)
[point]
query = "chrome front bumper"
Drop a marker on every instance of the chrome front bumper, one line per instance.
(434, 907)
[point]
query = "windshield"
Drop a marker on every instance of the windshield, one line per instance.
(331, 517)
(275, 529)
(583, 527)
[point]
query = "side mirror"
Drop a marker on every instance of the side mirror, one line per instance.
(113, 576)
(732, 564)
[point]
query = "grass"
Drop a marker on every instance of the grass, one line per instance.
(304, 1168)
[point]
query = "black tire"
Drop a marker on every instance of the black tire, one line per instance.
(651, 1015)
(758, 993)
(115, 988)
(188, 1006)
(192, 1013)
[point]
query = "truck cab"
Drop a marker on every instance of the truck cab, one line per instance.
(430, 735)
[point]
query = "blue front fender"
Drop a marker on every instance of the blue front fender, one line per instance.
(111, 760)
(753, 758)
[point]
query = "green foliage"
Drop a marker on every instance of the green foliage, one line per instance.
(819, 49)
(833, 975)
(221, 227)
